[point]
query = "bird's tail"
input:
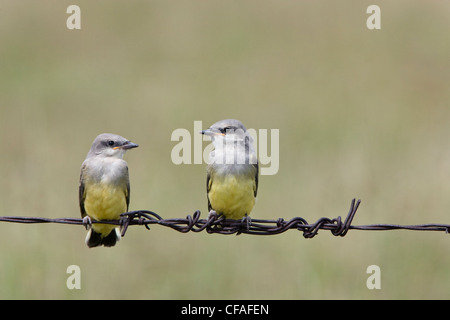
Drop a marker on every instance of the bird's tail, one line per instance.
(95, 239)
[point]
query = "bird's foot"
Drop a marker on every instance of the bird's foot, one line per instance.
(246, 221)
(212, 214)
(87, 222)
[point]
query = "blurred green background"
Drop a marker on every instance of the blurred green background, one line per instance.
(361, 114)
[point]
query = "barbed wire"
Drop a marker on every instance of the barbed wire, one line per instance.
(218, 224)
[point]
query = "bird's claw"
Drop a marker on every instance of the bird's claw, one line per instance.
(211, 214)
(87, 222)
(247, 221)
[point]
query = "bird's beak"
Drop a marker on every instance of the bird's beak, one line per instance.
(127, 145)
(212, 132)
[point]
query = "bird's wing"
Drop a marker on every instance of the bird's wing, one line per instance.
(208, 187)
(82, 193)
(255, 187)
(127, 192)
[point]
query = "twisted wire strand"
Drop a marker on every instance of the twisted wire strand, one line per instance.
(218, 224)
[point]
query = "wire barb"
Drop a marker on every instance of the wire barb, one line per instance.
(215, 223)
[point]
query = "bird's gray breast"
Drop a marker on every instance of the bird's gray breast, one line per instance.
(106, 170)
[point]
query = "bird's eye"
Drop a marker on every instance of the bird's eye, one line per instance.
(110, 143)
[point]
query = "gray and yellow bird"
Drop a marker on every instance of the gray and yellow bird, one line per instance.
(104, 191)
(232, 171)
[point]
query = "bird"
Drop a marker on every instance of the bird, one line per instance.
(104, 190)
(232, 170)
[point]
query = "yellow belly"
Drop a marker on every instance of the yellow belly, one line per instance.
(105, 203)
(232, 196)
